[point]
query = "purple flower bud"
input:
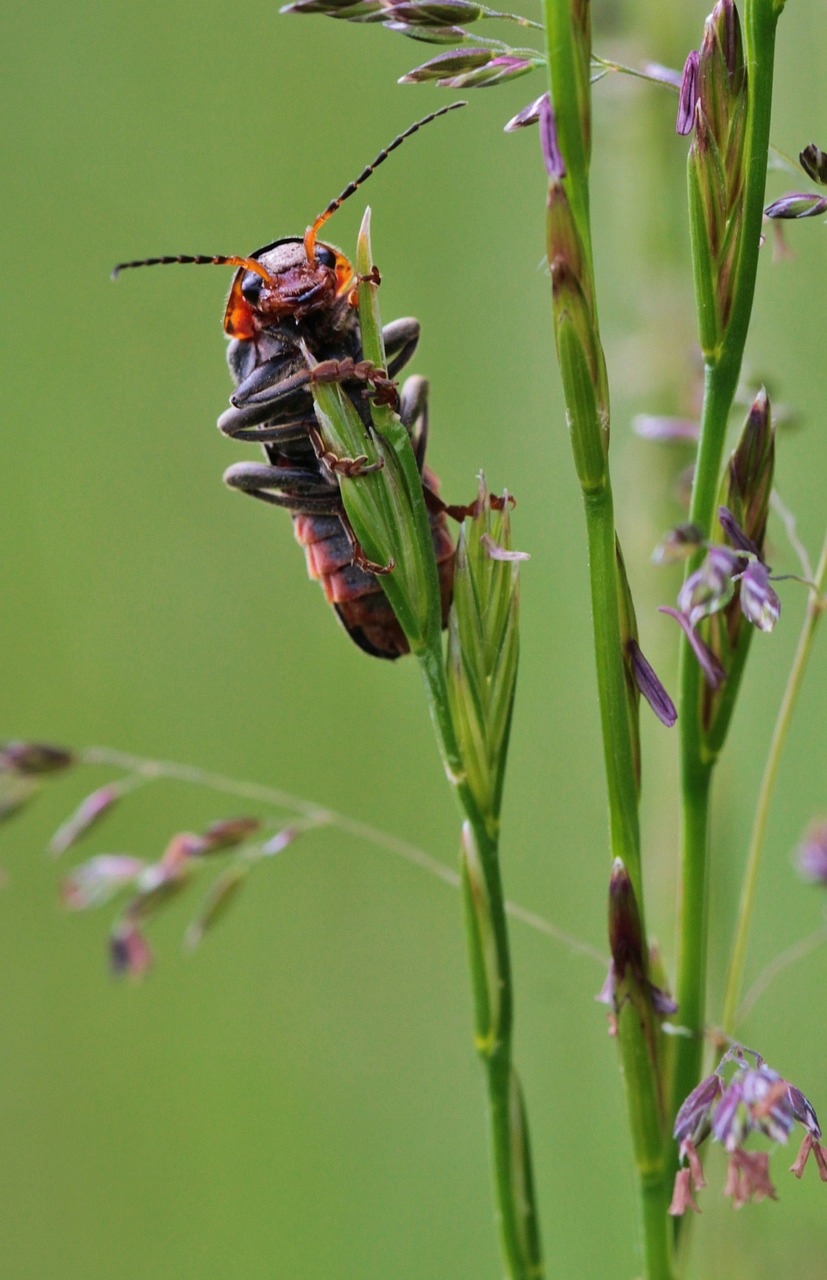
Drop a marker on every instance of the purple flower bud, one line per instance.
(181, 849)
(797, 204)
(280, 841)
(722, 72)
(164, 880)
(694, 1119)
(750, 471)
(446, 64)
(555, 164)
(226, 833)
(85, 816)
(528, 115)
(688, 94)
(662, 1002)
(767, 1097)
(735, 533)
(94, 882)
(759, 601)
(667, 430)
(625, 931)
(34, 758)
(129, 952)
(814, 163)
(678, 544)
(650, 686)
(432, 13)
(349, 10)
(730, 1120)
(709, 588)
(732, 44)
(812, 854)
(803, 1111)
(222, 894)
(714, 673)
(504, 67)
(427, 35)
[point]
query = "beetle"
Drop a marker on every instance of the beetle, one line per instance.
(295, 291)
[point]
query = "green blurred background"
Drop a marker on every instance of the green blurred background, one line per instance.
(300, 1098)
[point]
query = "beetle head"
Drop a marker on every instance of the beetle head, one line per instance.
(280, 281)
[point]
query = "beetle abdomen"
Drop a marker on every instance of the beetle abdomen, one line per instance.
(357, 596)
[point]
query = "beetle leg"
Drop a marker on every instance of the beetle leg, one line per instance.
(270, 373)
(436, 506)
(326, 371)
(240, 424)
(349, 370)
(344, 466)
(290, 487)
(413, 410)
(269, 393)
(357, 555)
(400, 338)
(373, 277)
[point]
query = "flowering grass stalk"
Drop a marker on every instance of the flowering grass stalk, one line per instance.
(733, 106)
(565, 127)
(284, 813)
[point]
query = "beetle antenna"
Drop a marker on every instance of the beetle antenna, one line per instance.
(199, 260)
(311, 233)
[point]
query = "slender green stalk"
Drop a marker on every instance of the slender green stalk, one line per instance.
(611, 681)
(583, 375)
(735, 974)
(653, 1176)
(760, 21)
(567, 91)
(490, 964)
(723, 364)
(696, 766)
(638, 1036)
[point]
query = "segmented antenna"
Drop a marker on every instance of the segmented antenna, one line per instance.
(311, 233)
(218, 260)
(198, 260)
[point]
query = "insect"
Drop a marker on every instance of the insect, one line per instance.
(299, 290)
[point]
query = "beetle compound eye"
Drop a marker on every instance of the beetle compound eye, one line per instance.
(251, 286)
(325, 256)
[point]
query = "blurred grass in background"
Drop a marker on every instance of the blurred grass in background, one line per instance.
(301, 1098)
